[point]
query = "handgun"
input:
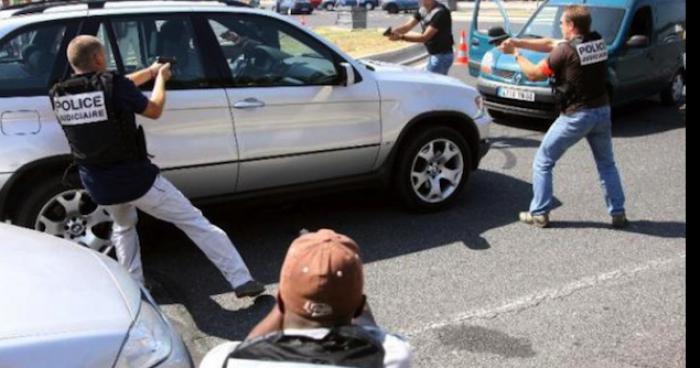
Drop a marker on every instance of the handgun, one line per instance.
(388, 31)
(167, 59)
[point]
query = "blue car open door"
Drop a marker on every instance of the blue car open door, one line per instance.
(489, 22)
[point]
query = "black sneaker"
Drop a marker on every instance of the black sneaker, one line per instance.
(619, 221)
(250, 288)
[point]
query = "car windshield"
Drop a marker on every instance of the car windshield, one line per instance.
(606, 21)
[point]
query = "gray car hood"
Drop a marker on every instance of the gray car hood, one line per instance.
(60, 302)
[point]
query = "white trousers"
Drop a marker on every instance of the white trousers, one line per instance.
(165, 202)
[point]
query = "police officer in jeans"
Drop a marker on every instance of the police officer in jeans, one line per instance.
(578, 71)
(436, 22)
(96, 111)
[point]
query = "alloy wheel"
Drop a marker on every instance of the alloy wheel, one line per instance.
(437, 170)
(72, 215)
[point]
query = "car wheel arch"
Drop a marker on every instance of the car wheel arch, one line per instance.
(17, 187)
(455, 120)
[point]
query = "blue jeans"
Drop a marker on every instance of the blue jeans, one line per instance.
(594, 124)
(440, 63)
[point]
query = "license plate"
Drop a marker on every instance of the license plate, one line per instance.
(516, 94)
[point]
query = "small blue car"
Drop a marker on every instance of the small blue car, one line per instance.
(646, 47)
(395, 6)
(332, 4)
(294, 7)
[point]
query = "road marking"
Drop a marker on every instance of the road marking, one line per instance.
(535, 299)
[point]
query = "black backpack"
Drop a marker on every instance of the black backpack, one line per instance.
(347, 346)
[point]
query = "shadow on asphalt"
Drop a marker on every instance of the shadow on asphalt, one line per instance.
(636, 119)
(379, 225)
(653, 228)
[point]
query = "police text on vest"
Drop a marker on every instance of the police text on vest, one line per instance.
(82, 108)
(592, 52)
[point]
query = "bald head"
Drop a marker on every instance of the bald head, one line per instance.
(86, 54)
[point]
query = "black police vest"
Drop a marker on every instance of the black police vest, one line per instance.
(97, 132)
(591, 56)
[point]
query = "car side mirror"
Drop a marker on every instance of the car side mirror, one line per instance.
(348, 74)
(637, 41)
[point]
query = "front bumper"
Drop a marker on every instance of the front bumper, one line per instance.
(544, 106)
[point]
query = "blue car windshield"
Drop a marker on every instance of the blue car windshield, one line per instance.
(545, 24)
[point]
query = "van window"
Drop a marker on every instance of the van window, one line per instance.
(545, 23)
(641, 24)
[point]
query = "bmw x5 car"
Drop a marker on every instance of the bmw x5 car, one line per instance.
(281, 109)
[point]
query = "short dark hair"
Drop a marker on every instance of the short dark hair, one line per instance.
(580, 16)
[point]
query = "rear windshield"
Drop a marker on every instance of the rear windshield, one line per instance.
(606, 21)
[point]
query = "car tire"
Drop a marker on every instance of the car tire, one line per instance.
(328, 6)
(392, 9)
(66, 211)
(672, 95)
(421, 165)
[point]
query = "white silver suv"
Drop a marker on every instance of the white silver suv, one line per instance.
(279, 108)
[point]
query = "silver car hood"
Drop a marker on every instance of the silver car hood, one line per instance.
(388, 72)
(60, 304)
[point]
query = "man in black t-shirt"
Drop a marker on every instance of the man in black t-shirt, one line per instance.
(578, 66)
(436, 22)
(118, 174)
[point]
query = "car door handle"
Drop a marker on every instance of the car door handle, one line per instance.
(475, 42)
(248, 103)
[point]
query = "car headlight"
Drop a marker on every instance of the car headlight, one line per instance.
(148, 342)
(479, 103)
(487, 63)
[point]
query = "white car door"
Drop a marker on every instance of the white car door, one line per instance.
(193, 142)
(295, 122)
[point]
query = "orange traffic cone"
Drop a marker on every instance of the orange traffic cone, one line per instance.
(462, 58)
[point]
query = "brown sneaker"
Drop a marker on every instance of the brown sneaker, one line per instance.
(535, 220)
(619, 221)
(250, 288)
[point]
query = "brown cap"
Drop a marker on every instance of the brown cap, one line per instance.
(321, 277)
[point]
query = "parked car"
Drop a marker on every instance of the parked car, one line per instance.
(68, 306)
(396, 6)
(294, 7)
(645, 54)
(257, 105)
(332, 4)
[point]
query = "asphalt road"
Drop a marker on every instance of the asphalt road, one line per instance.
(471, 287)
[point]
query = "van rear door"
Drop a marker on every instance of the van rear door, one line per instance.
(486, 16)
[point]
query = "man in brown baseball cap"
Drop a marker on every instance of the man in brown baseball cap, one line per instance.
(321, 314)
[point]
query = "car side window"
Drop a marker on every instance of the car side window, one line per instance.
(109, 53)
(141, 40)
(264, 52)
(27, 59)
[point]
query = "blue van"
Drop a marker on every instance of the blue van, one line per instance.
(646, 46)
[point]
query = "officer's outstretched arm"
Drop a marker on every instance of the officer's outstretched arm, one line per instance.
(535, 44)
(157, 101)
(405, 28)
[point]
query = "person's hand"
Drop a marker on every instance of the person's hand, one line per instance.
(164, 72)
(154, 68)
(507, 46)
(394, 36)
(231, 36)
